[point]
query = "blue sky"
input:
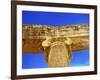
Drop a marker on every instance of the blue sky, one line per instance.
(80, 58)
(29, 60)
(54, 18)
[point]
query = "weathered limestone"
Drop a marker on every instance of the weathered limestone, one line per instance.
(34, 35)
(57, 53)
(57, 43)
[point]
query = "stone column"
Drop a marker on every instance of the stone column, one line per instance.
(58, 52)
(58, 55)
